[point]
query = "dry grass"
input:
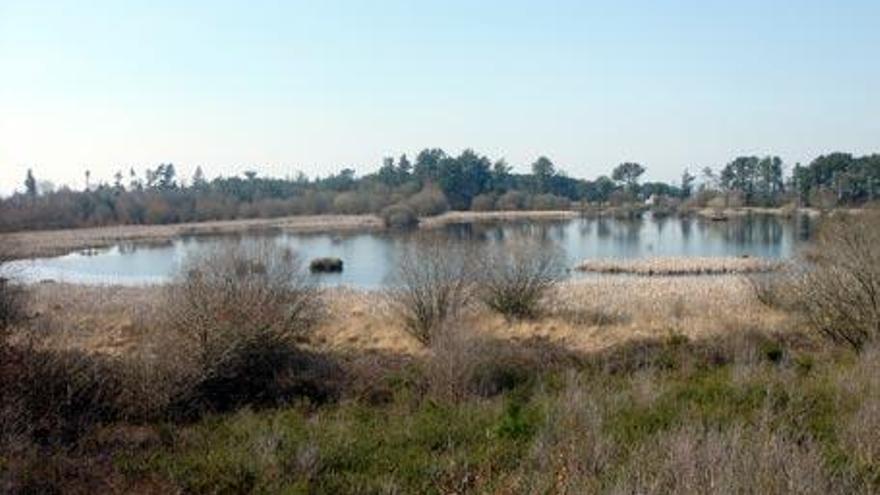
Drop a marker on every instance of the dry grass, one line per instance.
(583, 315)
(680, 265)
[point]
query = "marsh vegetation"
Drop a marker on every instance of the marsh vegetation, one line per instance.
(481, 373)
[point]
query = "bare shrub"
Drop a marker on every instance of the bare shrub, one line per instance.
(239, 311)
(463, 364)
(736, 460)
(860, 433)
(511, 200)
(431, 286)
(399, 216)
(54, 397)
(428, 202)
(515, 278)
(455, 355)
(483, 202)
(773, 290)
(840, 292)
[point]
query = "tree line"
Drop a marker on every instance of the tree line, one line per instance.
(428, 185)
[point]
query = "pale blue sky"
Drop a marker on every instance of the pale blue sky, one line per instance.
(319, 85)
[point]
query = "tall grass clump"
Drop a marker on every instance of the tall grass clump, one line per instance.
(431, 286)
(239, 312)
(515, 278)
(839, 292)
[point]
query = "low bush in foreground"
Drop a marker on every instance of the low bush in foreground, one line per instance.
(238, 313)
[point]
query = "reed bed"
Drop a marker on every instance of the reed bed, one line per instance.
(677, 266)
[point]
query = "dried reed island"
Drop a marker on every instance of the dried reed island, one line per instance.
(479, 370)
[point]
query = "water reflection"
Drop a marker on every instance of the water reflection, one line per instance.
(369, 256)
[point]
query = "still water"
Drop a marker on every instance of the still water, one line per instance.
(369, 257)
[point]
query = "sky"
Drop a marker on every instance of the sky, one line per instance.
(316, 86)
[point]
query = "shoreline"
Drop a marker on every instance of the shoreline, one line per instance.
(50, 243)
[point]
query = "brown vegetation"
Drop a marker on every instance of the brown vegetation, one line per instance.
(837, 287)
(431, 285)
(674, 266)
(514, 279)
